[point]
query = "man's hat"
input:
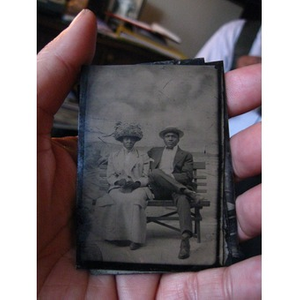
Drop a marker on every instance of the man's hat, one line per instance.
(171, 129)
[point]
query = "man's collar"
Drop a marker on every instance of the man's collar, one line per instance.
(173, 149)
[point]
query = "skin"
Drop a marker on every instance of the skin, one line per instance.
(129, 142)
(171, 140)
(58, 66)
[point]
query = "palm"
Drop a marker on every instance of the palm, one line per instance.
(56, 170)
(58, 66)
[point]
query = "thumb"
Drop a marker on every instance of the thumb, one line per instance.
(59, 64)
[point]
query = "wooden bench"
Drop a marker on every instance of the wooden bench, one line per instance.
(200, 181)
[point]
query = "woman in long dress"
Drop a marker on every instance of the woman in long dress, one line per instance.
(123, 215)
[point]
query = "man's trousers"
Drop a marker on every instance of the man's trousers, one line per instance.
(165, 186)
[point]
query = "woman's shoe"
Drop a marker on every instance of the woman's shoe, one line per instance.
(134, 246)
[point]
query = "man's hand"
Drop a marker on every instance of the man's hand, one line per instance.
(58, 67)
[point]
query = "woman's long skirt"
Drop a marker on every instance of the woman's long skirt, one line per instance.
(122, 217)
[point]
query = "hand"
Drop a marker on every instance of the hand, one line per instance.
(133, 185)
(129, 183)
(58, 67)
(121, 182)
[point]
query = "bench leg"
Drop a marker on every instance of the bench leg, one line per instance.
(197, 224)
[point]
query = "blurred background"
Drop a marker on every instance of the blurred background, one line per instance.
(194, 21)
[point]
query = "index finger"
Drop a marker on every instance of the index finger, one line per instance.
(243, 89)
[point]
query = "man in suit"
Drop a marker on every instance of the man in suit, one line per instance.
(171, 176)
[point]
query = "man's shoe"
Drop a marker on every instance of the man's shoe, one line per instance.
(184, 249)
(134, 246)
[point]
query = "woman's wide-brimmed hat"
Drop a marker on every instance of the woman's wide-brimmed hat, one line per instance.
(171, 129)
(128, 129)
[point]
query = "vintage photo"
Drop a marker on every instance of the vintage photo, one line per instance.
(151, 168)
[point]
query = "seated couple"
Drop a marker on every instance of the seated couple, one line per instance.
(134, 177)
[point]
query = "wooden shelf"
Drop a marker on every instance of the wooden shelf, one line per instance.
(109, 51)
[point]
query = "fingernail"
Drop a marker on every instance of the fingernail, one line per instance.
(80, 14)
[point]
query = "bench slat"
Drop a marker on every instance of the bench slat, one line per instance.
(171, 203)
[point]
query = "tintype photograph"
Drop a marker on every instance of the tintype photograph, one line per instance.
(151, 168)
